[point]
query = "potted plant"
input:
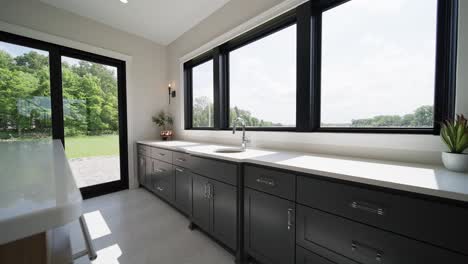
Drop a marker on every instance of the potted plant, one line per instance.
(454, 133)
(164, 122)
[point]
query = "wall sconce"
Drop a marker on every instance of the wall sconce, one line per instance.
(171, 92)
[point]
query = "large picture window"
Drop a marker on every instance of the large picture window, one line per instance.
(335, 66)
(378, 71)
(202, 92)
(262, 81)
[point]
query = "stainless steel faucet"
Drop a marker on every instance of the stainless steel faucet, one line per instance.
(245, 140)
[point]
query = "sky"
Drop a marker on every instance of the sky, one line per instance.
(378, 58)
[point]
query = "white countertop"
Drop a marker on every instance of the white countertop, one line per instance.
(37, 189)
(416, 178)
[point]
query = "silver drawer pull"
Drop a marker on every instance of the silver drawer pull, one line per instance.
(160, 189)
(367, 251)
(159, 170)
(266, 181)
(368, 208)
(290, 212)
(179, 169)
(161, 154)
(180, 160)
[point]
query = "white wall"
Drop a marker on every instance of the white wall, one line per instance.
(146, 69)
(414, 148)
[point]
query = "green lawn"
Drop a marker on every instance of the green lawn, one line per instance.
(90, 146)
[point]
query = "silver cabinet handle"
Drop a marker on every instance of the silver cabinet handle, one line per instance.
(290, 213)
(159, 188)
(161, 154)
(159, 170)
(205, 194)
(210, 191)
(179, 169)
(368, 207)
(180, 160)
(266, 181)
(367, 251)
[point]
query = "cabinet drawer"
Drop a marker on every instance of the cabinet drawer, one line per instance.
(218, 170)
(143, 150)
(365, 244)
(161, 154)
(162, 169)
(437, 223)
(164, 188)
(271, 181)
(304, 256)
(181, 159)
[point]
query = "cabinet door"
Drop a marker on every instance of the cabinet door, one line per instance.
(269, 228)
(141, 169)
(201, 202)
(224, 212)
(163, 180)
(183, 189)
(149, 173)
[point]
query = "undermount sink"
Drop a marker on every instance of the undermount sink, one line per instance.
(229, 150)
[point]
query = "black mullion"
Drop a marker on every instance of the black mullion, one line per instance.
(188, 98)
(304, 91)
(224, 88)
(217, 94)
(316, 70)
(446, 62)
(56, 94)
(123, 137)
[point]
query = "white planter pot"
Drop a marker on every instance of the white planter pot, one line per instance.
(455, 162)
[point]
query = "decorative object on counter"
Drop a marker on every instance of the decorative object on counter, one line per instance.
(164, 122)
(454, 133)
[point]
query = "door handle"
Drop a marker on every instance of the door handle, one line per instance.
(266, 181)
(180, 160)
(159, 170)
(290, 214)
(210, 191)
(370, 208)
(205, 194)
(179, 169)
(367, 251)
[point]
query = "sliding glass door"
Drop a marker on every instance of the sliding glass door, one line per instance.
(91, 120)
(53, 92)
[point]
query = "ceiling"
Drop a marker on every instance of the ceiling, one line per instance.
(161, 21)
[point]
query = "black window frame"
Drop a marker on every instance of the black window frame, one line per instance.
(308, 20)
(56, 52)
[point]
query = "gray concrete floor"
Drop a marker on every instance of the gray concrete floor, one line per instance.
(134, 226)
(95, 170)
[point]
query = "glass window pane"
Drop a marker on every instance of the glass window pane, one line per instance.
(91, 121)
(378, 64)
(25, 104)
(202, 92)
(263, 81)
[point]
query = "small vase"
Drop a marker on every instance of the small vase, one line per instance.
(455, 162)
(166, 134)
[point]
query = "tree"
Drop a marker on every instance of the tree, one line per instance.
(422, 117)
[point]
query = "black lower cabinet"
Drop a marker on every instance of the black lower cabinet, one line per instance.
(224, 212)
(183, 190)
(214, 209)
(142, 170)
(365, 244)
(148, 182)
(269, 228)
(201, 202)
